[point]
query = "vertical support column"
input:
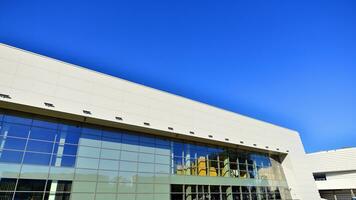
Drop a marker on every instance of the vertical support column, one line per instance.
(207, 165)
(352, 193)
(258, 191)
(248, 174)
(229, 193)
(255, 169)
(187, 163)
(219, 170)
(238, 167)
(188, 192)
(220, 191)
(226, 169)
(335, 197)
(249, 192)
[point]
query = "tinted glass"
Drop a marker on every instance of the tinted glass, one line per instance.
(11, 156)
(14, 143)
(66, 149)
(68, 137)
(45, 123)
(63, 161)
(43, 134)
(17, 119)
(15, 130)
(64, 186)
(39, 146)
(31, 185)
(7, 184)
(37, 158)
(6, 195)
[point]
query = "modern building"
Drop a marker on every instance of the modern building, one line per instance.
(335, 173)
(71, 133)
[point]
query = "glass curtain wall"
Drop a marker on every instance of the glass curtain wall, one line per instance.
(46, 158)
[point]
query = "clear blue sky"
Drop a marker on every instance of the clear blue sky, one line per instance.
(291, 63)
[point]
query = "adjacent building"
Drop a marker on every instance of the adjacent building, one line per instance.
(335, 173)
(67, 132)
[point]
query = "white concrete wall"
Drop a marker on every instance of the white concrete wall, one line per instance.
(31, 80)
(339, 167)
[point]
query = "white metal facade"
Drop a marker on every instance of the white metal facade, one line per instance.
(32, 79)
(339, 167)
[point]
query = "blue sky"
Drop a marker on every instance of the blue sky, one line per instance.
(291, 63)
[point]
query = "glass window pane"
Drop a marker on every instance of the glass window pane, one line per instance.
(129, 137)
(57, 196)
(128, 166)
(43, 134)
(162, 159)
(147, 148)
(83, 186)
(128, 177)
(92, 131)
(7, 184)
(61, 173)
(34, 172)
(145, 157)
(130, 146)
(129, 156)
(37, 158)
(14, 143)
(147, 140)
(11, 156)
(163, 169)
(67, 149)
(63, 161)
(9, 170)
(63, 186)
(18, 119)
(88, 151)
(145, 167)
(144, 188)
(110, 154)
(72, 128)
(112, 135)
(70, 149)
(87, 163)
(39, 146)
(106, 187)
(99, 196)
(163, 150)
(109, 164)
(108, 176)
(31, 185)
(15, 130)
(163, 142)
(45, 123)
(110, 143)
(177, 149)
(90, 140)
(6, 195)
(126, 196)
(68, 137)
(86, 174)
(29, 195)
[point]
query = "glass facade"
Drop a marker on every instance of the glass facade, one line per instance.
(47, 158)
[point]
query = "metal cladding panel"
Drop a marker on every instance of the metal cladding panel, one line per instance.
(339, 167)
(32, 79)
(332, 161)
